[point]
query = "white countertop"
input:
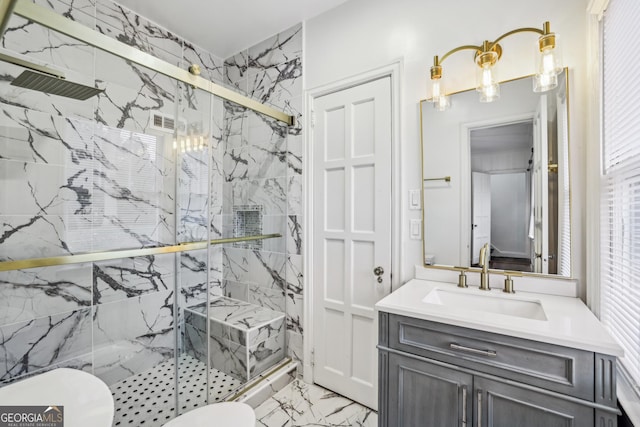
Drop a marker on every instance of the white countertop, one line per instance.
(569, 321)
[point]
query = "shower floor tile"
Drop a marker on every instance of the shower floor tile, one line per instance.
(147, 399)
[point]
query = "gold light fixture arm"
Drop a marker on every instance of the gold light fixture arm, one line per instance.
(545, 30)
(439, 61)
(521, 30)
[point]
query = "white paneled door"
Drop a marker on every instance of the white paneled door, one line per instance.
(351, 234)
(481, 212)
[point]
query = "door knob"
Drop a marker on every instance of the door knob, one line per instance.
(378, 271)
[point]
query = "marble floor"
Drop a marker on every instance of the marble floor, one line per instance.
(301, 404)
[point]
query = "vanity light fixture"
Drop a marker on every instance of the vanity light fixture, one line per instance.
(487, 55)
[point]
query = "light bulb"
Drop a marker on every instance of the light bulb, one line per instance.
(487, 78)
(549, 59)
(544, 82)
(548, 62)
(489, 89)
(175, 144)
(188, 144)
(435, 90)
(442, 103)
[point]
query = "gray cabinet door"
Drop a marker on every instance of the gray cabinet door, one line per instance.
(426, 394)
(498, 404)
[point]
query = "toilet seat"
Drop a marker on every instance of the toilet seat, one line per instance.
(228, 414)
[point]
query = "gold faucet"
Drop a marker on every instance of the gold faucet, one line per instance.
(484, 274)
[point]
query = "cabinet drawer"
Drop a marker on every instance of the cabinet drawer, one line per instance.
(562, 369)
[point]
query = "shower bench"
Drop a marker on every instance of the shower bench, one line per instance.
(244, 339)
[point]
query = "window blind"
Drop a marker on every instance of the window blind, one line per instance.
(620, 185)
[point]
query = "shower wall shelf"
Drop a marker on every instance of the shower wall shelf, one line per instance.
(68, 27)
(127, 253)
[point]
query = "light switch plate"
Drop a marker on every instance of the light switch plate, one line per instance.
(415, 229)
(414, 200)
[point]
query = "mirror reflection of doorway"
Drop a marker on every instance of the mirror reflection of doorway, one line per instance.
(501, 194)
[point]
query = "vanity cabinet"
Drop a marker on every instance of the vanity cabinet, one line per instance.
(449, 393)
(435, 374)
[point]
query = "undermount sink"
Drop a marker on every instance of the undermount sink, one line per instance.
(499, 304)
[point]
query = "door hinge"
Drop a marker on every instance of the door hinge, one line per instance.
(313, 118)
(313, 358)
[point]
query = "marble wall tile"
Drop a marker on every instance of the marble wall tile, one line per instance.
(274, 224)
(281, 48)
(51, 47)
(39, 292)
(295, 294)
(264, 332)
(193, 278)
(39, 343)
(277, 84)
(131, 93)
(216, 225)
(127, 27)
(192, 197)
(212, 67)
(30, 136)
(264, 355)
(195, 342)
(295, 347)
(236, 163)
(236, 290)
(273, 299)
(295, 191)
(266, 269)
(235, 69)
(256, 162)
(133, 180)
(82, 363)
(237, 360)
(45, 189)
(236, 122)
(294, 107)
(38, 236)
(271, 193)
(132, 277)
(69, 7)
(294, 234)
(216, 283)
(294, 155)
(133, 335)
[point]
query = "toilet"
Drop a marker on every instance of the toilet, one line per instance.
(227, 414)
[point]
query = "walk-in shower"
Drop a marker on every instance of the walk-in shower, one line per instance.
(137, 242)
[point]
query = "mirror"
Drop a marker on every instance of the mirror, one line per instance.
(498, 173)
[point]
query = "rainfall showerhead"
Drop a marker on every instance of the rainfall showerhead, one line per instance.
(44, 79)
(54, 85)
